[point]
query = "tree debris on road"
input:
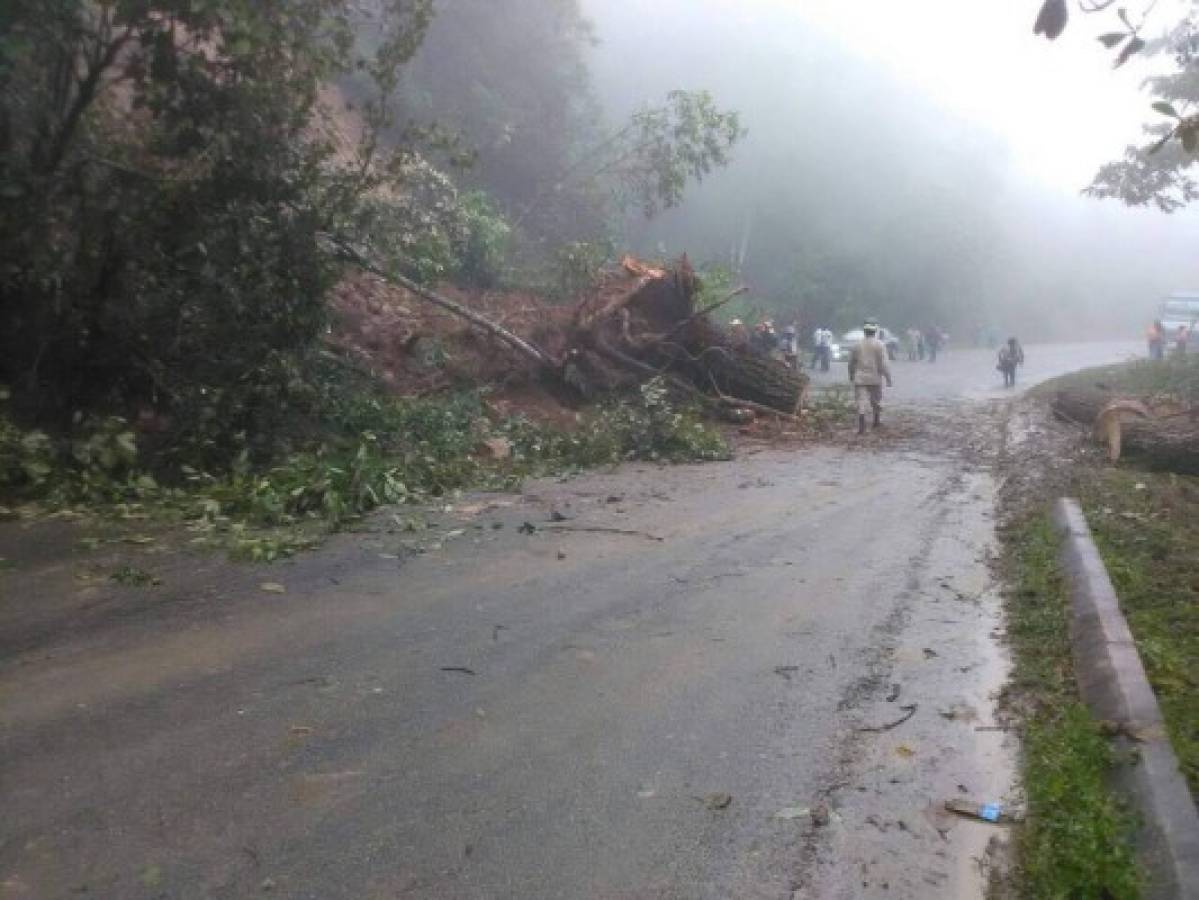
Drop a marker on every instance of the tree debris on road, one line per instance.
(909, 711)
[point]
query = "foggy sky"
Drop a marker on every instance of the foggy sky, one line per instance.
(978, 120)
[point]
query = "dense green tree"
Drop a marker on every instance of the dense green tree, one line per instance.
(167, 169)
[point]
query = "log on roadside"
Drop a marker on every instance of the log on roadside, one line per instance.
(1165, 441)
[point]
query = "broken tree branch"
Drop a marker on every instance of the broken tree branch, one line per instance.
(603, 529)
(909, 711)
(351, 255)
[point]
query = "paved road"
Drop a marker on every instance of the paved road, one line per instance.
(970, 373)
(715, 704)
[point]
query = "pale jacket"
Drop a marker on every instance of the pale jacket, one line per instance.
(868, 362)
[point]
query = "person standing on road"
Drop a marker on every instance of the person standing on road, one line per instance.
(1011, 355)
(933, 338)
(1180, 340)
(867, 370)
(915, 344)
(1155, 334)
(823, 340)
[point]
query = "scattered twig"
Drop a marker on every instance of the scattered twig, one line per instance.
(603, 529)
(909, 712)
(463, 670)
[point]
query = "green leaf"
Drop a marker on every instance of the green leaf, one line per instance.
(1052, 19)
(1166, 109)
(1112, 38)
(1136, 45)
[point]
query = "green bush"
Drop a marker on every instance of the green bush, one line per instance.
(575, 269)
(486, 247)
(645, 426)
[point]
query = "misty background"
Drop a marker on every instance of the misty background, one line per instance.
(856, 192)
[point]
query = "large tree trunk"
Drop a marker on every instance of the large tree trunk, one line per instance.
(1166, 439)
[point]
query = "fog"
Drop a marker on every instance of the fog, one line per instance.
(898, 179)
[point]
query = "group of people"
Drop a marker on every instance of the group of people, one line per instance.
(1156, 337)
(869, 367)
(925, 342)
(765, 339)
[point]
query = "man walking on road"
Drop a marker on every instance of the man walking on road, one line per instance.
(867, 370)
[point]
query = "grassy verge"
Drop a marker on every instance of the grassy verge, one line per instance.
(1177, 375)
(1147, 528)
(1075, 843)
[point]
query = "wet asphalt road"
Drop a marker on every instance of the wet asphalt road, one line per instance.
(969, 373)
(681, 711)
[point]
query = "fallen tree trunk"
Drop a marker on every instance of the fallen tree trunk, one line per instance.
(1164, 438)
(643, 322)
(514, 341)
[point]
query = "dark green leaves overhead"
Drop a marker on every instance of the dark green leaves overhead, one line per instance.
(1052, 19)
(1133, 47)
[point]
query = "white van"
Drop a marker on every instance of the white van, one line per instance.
(1180, 308)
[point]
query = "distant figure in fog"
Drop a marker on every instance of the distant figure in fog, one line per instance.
(789, 344)
(1155, 335)
(822, 339)
(1180, 339)
(914, 342)
(1011, 355)
(933, 339)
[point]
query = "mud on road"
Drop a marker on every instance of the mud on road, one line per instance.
(752, 679)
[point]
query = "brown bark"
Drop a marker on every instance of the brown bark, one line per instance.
(1166, 439)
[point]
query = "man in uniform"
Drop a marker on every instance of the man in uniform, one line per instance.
(867, 370)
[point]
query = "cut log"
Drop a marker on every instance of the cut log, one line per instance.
(1169, 442)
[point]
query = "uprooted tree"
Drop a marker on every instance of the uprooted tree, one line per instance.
(641, 322)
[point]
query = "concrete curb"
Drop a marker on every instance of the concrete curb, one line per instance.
(1113, 684)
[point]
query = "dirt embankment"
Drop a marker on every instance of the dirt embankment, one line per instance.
(415, 348)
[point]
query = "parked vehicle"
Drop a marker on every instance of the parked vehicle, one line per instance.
(1181, 309)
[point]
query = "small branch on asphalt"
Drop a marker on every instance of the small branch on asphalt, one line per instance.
(909, 712)
(602, 529)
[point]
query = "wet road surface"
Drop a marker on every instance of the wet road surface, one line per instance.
(969, 373)
(765, 688)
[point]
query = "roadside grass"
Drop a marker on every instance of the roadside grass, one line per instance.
(1147, 527)
(1076, 842)
(1146, 524)
(1176, 375)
